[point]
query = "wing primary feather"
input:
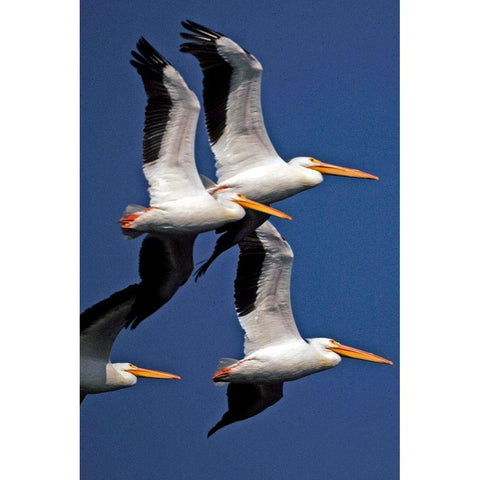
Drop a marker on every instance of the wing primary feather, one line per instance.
(217, 74)
(95, 313)
(150, 65)
(231, 96)
(200, 29)
(262, 290)
(189, 36)
(249, 270)
(170, 123)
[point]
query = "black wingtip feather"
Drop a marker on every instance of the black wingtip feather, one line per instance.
(189, 36)
(148, 55)
(202, 270)
(217, 73)
(92, 314)
(150, 65)
(201, 30)
(247, 400)
(249, 269)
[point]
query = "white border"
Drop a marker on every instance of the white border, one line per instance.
(440, 159)
(40, 239)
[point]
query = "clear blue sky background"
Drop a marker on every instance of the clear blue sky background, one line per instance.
(330, 90)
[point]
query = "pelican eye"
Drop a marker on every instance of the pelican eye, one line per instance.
(131, 365)
(335, 343)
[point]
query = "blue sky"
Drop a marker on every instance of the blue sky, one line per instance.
(330, 90)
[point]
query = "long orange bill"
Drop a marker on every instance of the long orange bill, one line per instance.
(360, 354)
(247, 203)
(143, 372)
(328, 169)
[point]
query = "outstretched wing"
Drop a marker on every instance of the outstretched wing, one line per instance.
(100, 324)
(262, 289)
(171, 119)
(231, 97)
(246, 400)
(232, 234)
(166, 263)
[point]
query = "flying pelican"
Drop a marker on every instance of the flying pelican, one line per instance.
(246, 160)
(99, 327)
(179, 202)
(274, 350)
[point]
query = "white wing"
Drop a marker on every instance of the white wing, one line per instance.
(262, 289)
(231, 97)
(171, 119)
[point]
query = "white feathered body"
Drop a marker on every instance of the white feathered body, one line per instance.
(280, 363)
(190, 214)
(270, 183)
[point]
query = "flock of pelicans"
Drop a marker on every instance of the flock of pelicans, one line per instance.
(183, 204)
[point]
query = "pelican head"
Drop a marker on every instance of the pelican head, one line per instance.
(129, 373)
(332, 351)
(328, 169)
(238, 203)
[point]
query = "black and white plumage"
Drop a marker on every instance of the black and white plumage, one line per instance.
(99, 327)
(274, 350)
(262, 290)
(245, 157)
(171, 117)
(231, 97)
(179, 202)
(182, 205)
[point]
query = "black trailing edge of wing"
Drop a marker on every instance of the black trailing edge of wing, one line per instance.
(150, 64)
(217, 74)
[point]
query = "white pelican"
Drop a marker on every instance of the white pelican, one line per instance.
(274, 350)
(99, 326)
(179, 203)
(246, 160)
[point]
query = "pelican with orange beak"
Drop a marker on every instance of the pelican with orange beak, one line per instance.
(179, 201)
(99, 327)
(182, 204)
(274, 350)
(246, 160)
